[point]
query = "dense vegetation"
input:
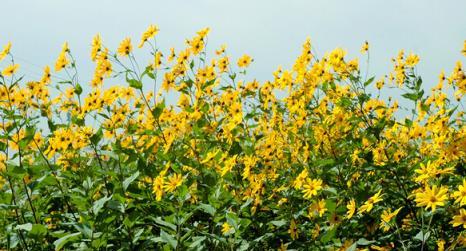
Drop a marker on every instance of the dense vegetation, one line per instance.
(312, 159)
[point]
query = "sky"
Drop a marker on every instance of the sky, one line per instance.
(271, 31)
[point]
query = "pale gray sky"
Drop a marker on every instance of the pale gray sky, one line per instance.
(270, 31)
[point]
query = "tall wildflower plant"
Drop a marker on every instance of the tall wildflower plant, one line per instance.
(310, 159)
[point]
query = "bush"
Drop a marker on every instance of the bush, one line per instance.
(308, 160)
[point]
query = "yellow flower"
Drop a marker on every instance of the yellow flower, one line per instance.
(203, 32)
(196, 45)
(311, 187)
(96, 47)
(236, 111)
(460, 194)
(379, 248)
(65, 48)
(386, 217)
(461, 239)
(157, 187)
(151, 31)
(318, 207)
(441, 245)
(2, 162)
(412, 60)
(299, 181)
(223, 63)
(46, 76)
(125, 47)
(157, 60)
(369, 204)
(5, 51)
(379, 84)
(431, 197)
(172, 54)
(228, 165)
(210, 156)
(62, 62)
(183, 101)
(426, 172)
(282, 201)
(365, 47)
(221, 50)
(459, 219)
(226, 228)
(315, 232)
(293, 230)
(174, 181)
(10, 70)
(244, 61)
(464, 48)
(337, 56)
(283, 247)
(351, 206)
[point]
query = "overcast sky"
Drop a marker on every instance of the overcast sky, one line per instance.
(270, 31)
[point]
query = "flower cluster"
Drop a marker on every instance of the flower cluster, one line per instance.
(307, 159)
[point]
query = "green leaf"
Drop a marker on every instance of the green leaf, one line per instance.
(8, 206)
(129, 180)
(97, 137)
(418, 84)
(27, 227)
(330, 205)
(12, 162)
(244, 246)
(364, 242)
(65, 82)
(352, 247)
(232, 219)
(3, 146)
(328, 236)
(16, 171)
(158, 109)
(420, 94)
(197, 241)
(14, 240)
(98, 204)
(84, 229)
(331, 190)
(325, 162)
(421, 236)
(410, 96)
(183, 192)
(246, 204)
(78, 89)
(137, 235)
(408, 122)
(279, 223)
(369, 81)
(51, 125)
(133, 82)
(168, 239)
(38, 231)
(208, 83)
(80, 202)
(28, 138)
(161, 222)
(207, 208)
(116, 205)
(149, 72)
(60, 243)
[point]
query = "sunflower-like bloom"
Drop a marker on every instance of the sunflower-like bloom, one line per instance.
(432, 197)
